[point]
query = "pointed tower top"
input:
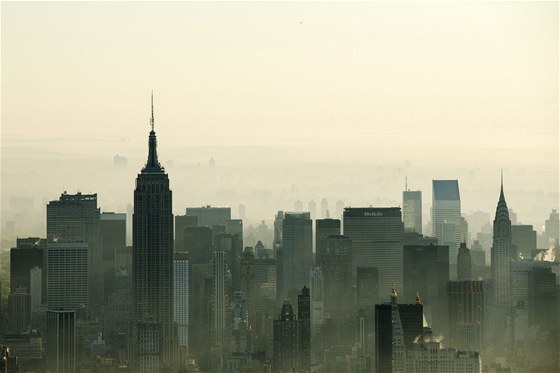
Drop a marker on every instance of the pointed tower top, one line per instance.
(418, 301)
(152, 165)
(502, 197)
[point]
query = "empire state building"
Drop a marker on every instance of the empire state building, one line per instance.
(152, 263)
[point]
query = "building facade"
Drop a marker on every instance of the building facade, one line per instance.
(152, 255)
(376, 241)
(76, 218)
(297, 256)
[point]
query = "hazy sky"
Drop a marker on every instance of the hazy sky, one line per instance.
(436, 83)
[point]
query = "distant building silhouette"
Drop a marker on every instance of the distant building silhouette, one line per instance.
(336, 262)
(323, 229)
(552, 228)
(209, 216)
(297, 256)
(464, 263)
(524, 240)
(448, 226)
(412, 210)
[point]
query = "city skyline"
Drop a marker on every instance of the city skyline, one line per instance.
(327, 190)
(375, 124)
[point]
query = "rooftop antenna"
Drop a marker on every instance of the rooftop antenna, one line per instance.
(152, 118)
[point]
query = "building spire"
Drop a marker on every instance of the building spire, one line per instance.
(152, 118)
(502, 181)
(153, 164)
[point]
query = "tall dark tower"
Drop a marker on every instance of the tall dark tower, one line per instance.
(502, 252)
(500, 326)
(152, 262)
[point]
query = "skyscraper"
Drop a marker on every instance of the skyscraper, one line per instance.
(76, 218)
(464, 263)
(502, 252)
(426, 272)
(181, 301)
(376, 241)
(447, 224)
(317, 300)
(61, 341)
(367, 286)
(552, 228)
(28, 253)
(412, 210)
(181, 222)
(336, 262)
(466, 314)
(209, 216)
(304, 320)
(67, 277)
(524, 240)
(113, 233)
(297, 255)
(220, 299)
(323, 229)
(390, 349)
(152, 256)
(286, 340)
(19, 308)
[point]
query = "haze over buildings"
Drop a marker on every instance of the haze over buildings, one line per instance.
(273, 234)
